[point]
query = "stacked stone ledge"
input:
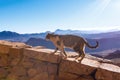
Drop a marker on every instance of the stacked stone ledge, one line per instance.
(19, 61)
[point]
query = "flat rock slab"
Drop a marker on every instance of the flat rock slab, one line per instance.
(84, 68)
(108, 72)
(42, 54)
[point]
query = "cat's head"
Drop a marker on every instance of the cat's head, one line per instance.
(49, 35)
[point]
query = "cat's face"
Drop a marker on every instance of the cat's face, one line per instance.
(48, 36)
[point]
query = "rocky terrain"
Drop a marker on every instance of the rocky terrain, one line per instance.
(19, 61)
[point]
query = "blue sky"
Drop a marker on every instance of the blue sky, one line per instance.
(31, 16)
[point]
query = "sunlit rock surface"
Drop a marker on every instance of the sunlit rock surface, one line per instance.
(19, 61)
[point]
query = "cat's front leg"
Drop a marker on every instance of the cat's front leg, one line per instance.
(55, 51)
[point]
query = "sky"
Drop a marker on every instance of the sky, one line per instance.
(35, 16)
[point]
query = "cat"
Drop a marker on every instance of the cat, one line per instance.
(76, 43)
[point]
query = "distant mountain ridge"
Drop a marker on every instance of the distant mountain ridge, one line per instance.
(89, 34)
(86, 34)
(115, 54)
(13, 36)
(40, 42)
(8, 34)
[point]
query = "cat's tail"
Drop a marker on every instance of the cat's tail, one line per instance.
(88, 45)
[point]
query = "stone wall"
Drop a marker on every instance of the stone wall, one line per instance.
(19, 61)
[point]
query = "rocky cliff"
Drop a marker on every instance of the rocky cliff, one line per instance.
(19, 61)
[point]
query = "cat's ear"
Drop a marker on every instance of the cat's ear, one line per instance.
(50, 33)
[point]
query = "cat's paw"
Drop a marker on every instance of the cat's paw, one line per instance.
(77, 60)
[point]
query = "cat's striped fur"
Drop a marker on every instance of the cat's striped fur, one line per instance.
(76, 43)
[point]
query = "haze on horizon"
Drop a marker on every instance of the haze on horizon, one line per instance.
(34, 16)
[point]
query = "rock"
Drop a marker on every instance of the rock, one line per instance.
(20, 45)
(23, 78)
(15, 56)
(30, 53)
(32, 72)
(85, 78)
(16, 52)
(108, 72)
(3, 73)
(4, 49)
(40, 76)
(52, 77)
(14, 62)
(39, 47)
(18, 71)
(12, 77)
(27, 63)
(67, 76)
(52, 68)
(43, 55)
(86, 67)
(41, 66)
(3, 60)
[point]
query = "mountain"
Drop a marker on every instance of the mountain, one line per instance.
(108, 43)
(113, 55)
(16, 37)
(104, 35)
(13, 36)
(69, 31)
(40, 42)
(89, 34)
(104, 44)
(59, 31)
(35, 35)
(8, 34)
